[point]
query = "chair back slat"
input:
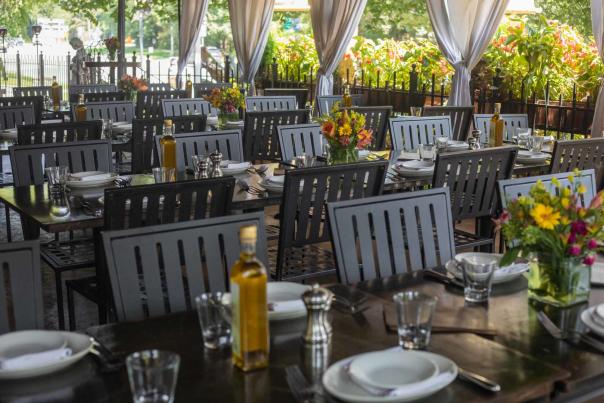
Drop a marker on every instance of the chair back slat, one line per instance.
(377, 237)
(148, 103)
(471, 177)
(161, 269)
(408, 132)
(144, 153)
(187, 106)
(271, 103)
(260, 139)
(461, 118)
(300, 139)
(78, 89)
(21, 305)
(578, 154)
(227, 142)
(13, 116)
(44, 91)
(28, 161)
(104, 96)
(325, 102)
(306, 192)
(159, 87)
(36, 101)
(203, 89)
(117, 111)
(59, 132)
(301, 94)
(510, 189)
(376, 120)
(512, 121)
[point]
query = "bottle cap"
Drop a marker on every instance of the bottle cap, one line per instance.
(248, 233)
(168, 122)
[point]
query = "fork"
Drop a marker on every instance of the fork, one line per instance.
(303, 392)
(244, 186)
(556, 333)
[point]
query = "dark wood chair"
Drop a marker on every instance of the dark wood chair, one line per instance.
(376, 120)
(271, 103)
(148, 103)
(377, 237)
(77, 89)
(117, 111)
(579, 154)
(13, 116)
(227, 142)
(512, 121)
(461, 118)
(408, 132)
(302, 214)
(59, 132)
(260, 140)
(144, 154)
(108, 96)
(196, 257)
(36, 101)
(203, 89)
(43, 91)
(143, 206)
(300, 139)
(301, 94)
(325, 102)
(159, 87)
(471, 177)
(186, 106)
(21, 305)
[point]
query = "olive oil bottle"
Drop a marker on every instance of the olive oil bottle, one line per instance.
(346, 98)
(189, 87)
(496, 128)
(80, 110)
(55, 92)
(249, 307)
(168, 145)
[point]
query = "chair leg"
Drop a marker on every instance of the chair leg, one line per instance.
(71, 309)
(59, 290)
(9, 234)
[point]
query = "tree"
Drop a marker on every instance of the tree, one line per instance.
(395, 19)
(15, 15)
(576, 13)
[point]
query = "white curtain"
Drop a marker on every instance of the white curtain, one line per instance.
(597, 24)
(250, 22)
(334, 22)
(463, 30)
(191, 17)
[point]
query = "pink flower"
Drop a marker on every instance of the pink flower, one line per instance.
(578, 227)
(572, 238)
(592, 244)
(574, 250)
(589, 260)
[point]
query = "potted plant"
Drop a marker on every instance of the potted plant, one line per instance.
(345, 132)
(227, 101)
(112, 44)
(131, 85)
(559, 236)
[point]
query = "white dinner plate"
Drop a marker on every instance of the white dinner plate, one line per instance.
(501, 275)
(79, 344)
(403, 170)
(234, 125)
(457, 145)
(240, 167)
(89, 184)
(275, 183)
(339, 384)
(587, 317)
(408, 370)
(531, 157)
(8, 134)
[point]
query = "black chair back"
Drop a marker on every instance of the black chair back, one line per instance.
(377, 237)
(159, 87)
(300, 139)
(78, 89)
(301, 94)
(183, 107)
(118, 111)
(408, 132)
(36, 101)
(578, 154)
(325, 102)
(202, 89)
(376, 120)
(13, 116)
(148, 103)
(461, 118)
(44, 91)
(271, 103)
(108, 96)
(260, 140)
(60, 132)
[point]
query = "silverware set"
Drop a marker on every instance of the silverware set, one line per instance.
(253, 190)
(89, 209)
(261, 171)
(109, 361)
(302, 390)
(123, 181)
(569, 336)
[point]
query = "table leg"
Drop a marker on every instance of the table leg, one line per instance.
(485, 228)
(59, 290)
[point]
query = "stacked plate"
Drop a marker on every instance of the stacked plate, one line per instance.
(275, 183)
(121, 127)
(8, 134)
(234, 167)
(37, 352)
(414, 169)
(455, 145)
(90, 179)
(212, 120)
(393, 375)
(234, 125)
(594, 319)
(531, 157)
(501, 275)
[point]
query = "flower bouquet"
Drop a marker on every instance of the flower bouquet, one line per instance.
(560, 236)
(345, 132)
(131, 85)
(227, 101)
(112, 44)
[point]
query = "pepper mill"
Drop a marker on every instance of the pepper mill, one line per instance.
(318, 329)
(216, 158)
(474, 140)
(201, 169)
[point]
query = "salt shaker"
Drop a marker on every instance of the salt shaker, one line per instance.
(318, 329)
(474, 140)
(216, 158)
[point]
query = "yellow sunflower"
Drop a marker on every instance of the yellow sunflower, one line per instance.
(545, 217)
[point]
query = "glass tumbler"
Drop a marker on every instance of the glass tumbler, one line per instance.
(163, 174)
(153, 375)
(414, 311)
(416, 111)
(535, 143)
(426, 152)
(57, 179)
(212, 312)
(478, 277)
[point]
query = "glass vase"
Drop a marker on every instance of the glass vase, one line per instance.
(224, 117)
(558, 282)
(340, 155)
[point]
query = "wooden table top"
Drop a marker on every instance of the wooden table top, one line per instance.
(523, 358)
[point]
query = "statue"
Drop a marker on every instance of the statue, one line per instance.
(79, 71)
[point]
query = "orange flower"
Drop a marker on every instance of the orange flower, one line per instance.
(328, 128)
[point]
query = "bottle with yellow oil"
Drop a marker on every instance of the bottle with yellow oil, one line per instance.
(496, 128)
(80, 110)
(249, 306)
(55, 93)
(168, 145)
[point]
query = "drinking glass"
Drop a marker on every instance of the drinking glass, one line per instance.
(416, 110)
(523, 137)
(441, 144)
(153, 375)
(107, 128)
(163, 174)
(478, 277)
(57, 178)
(303, 161)
(200, 163)
(426, 152)
(414, 312)
(535, 143)
(215, 329)
(326, 150)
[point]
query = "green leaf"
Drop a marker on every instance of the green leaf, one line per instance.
(510, 256)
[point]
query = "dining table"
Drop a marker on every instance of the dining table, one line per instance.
(501, 340)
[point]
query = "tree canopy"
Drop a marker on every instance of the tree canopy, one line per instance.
(576, 13)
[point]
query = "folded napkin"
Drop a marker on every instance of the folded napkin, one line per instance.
(286, 306)
(597, 273)
(35, 359)
(277, 180)
(238, 165)
(598, 315)
(513, 268)
(89, 176)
